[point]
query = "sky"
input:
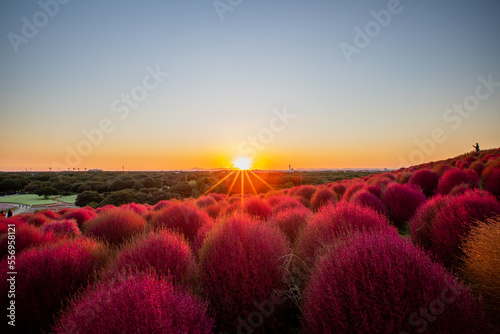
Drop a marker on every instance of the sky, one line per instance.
(166, 85)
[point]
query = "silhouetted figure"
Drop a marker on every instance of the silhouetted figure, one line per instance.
(9, 214)
(2, 214)
(476, 147)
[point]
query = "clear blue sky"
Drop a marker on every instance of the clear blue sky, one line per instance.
(226, 78)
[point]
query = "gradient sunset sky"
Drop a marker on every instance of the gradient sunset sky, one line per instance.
(234, 71)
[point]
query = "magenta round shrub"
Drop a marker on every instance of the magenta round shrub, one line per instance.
(454, 177)
(403, 177)
(241, 263)
(339, 188)
(306, 192)
(353, 188)
(402, 200)
(138, 303)
(441, 168)
(166, 252)
(420, 225)
(322, 197)
(492, 183)
(256, 207)
(80, 215)
(478, 166)
(204, 201)
(49, 214)
(182, 217)
(334, 222)
(454, 221)
(136, 207)
(368, 199)
(48, 277)
(214, 210)
(115, 226)
(63, 227)
(287, 203)
(291, 221)
(459, 189)
(26, 236)
(426, 179)
(38, 219)
(161, 205)
(374, 189)
(201, 235)
(381, 283)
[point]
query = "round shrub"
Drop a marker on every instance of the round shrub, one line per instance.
(38, 219)
(287, 203)
(454, 221)
(137, 208)
(481, 263)
(353, 188)
(182, 217)
(241, 265)
(454, 177)
(49, 214)
(478, 166)
(205, 201)
(136, 304)
(339, 188)
(492, 183)
(426, 179)
(64, 228)
(291, 221)
(334, 222)
(380, 283)
(305, 192)
(80, 215)
(48, 277)
(322, 197)
(441, 168)
(368, 199)
(402, 201)
(420, 225)
(166, 252)
(375, 190)
(256, 207)
(115, 226)
(27, 236)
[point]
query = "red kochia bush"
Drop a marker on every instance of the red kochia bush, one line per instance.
(305, 192)
(339, 188)
(353, 188)
(402, 201)
(368, 199)
(333, 222)
(47, 278)
(136, 304)
(454, 221)
(241, 265)
(166, 252)
(80, 215)
(426, 179)
(421, 224)
(115, 226)
(38, 219)
(64, 227)
(380, 283)
(291, 221)
(286, 203)
(322, 197)
(454, 177)
(492, 183)
(182, 217)
(137, 208)
(256, 207)
(27, 236)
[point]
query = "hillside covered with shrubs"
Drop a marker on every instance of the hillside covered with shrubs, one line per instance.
(409, 251)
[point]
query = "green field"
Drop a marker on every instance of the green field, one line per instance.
(68, 199)
(29, 199)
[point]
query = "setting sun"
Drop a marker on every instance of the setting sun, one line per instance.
(242, 163)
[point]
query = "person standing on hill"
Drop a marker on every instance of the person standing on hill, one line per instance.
(476, 147)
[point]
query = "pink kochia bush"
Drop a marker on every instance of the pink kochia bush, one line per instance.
(258, 208)
(241, 265)
(334, 222)
(182, 217)
(402, 201)
(27, 236)
(48, 277)
(166, 252)
(492, 183)
(136, 304)
(64, 228)
(454, 221)
(80, 215)
(455, 177)
(291, 221)
(426, 179)
(115, 226)
(421, 224)
(368, 199)
(381, 283)
(322, 197)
